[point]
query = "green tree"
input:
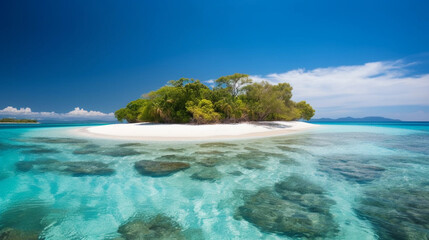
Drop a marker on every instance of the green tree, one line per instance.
(180, 82)
(306, 111)
(264, 101)
(234, 99)
(131, 111)
(285, 92)
(233, 83)
(231, 111)
(168, 104)
(121, 114)
(203, 112)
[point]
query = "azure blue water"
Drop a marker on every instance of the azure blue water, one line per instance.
(337, 181)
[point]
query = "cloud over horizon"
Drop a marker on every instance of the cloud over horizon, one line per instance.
(76, 114)
(373, 84)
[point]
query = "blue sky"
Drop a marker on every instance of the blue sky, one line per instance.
(99, 55)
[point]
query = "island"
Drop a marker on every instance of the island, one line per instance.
(14, 120)
(186, 109)
(235, 98)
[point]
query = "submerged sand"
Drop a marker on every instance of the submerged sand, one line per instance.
(191, 132)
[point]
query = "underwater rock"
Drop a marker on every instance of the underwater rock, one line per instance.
(294, 141)
(159, 168)
(291, 149)
(56, 140)
(297, 184)
(7, 146)
(174, 150)
(112, 152)
(351, 168)
(304, 193)
(24, 166)
(214, 152)
(75, 168)
(86, 168)
(210, 161)
(87, 149)
(250, 149)
(14, 234)
(275, 211)
(132, 145)
(254, 159)
(44, 164)
(173, 157)
(216, 144)
(24, 220)
(159, 227)
(397, 213)
(41, 150)
(236, 173)
(257, 154)
(119, 152)
(207, 174)
(316, 140)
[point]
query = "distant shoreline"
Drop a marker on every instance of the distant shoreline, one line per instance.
(9, 120)
(19, 123)
(191, 132)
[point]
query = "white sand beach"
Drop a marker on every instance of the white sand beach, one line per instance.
(190, 132)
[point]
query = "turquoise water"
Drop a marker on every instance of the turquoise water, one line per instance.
(338, 181)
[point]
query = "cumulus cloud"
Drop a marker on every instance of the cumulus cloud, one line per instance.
(12, 110)
(75, 114)
(82, 112)
(386, 83)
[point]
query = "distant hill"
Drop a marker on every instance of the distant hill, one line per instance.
(350, 119)
(14, 120)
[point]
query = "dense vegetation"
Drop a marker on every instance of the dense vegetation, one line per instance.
(235, 98)
(14, 120)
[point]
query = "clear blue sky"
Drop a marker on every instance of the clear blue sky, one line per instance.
(57, 55)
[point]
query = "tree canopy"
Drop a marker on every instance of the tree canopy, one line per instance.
(14, 120)
(235, 98)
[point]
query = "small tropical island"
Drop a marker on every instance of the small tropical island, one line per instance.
(186, 109)
(235, 98)
(14, 120)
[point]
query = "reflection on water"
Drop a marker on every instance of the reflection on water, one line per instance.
(334, 182)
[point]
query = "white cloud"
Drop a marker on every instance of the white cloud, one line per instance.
(210, 82)
(80, 112)
(12, 110)
(368, 85)
(76, 114)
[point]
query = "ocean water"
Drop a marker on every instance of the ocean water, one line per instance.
(338, 181)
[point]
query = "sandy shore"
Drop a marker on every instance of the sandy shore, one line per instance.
(189, 132)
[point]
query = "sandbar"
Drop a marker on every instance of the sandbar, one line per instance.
(193, 132)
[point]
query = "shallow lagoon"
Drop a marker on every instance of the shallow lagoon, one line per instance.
(334, 182)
